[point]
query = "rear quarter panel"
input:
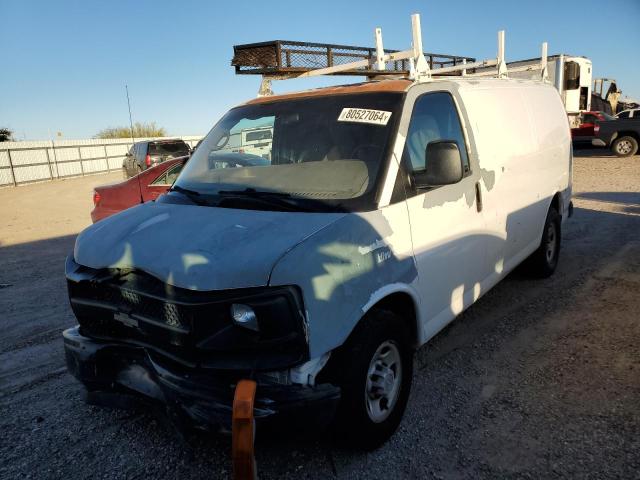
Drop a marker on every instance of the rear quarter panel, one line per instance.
(523, 143)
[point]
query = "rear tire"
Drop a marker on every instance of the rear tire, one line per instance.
(374, 371)
(543, 262)
(624, 146)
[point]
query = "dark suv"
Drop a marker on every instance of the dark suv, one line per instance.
(146, 154)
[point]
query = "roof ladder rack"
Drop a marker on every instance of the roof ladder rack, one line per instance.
(280, 60)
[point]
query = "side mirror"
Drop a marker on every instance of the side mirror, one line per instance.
(444, 165)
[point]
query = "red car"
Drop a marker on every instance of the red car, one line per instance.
(148, 185)
(587, 121)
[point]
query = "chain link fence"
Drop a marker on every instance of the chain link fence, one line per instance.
(27, 162)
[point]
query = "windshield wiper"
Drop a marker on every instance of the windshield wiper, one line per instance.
(190, 194)
(283, 199)
(252, 192)
(280, 199)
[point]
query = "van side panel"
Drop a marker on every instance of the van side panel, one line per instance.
(554, 139)
(522, 139)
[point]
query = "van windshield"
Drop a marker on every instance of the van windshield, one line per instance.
(328, 150)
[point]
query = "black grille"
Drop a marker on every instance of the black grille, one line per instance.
(193, 327)
(134, 303)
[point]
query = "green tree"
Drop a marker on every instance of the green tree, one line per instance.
(6, 135)
(140, 130)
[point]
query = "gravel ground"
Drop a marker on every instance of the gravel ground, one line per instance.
(538, 379)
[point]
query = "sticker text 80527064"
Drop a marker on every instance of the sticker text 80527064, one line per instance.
(364, 115)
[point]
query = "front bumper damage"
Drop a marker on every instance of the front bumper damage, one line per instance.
(141, 339)
(117, 374)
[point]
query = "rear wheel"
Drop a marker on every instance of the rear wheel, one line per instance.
(375, 370)
(543, 262)
(625, 146)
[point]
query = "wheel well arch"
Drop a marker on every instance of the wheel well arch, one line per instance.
(625, 133)
(400, 302)
(403, 305)
(556, 202)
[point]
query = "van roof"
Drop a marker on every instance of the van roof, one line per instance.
(365, 87)
(398, 86)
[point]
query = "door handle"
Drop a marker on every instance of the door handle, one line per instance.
(478, 196)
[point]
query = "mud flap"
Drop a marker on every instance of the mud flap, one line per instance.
(243, 431)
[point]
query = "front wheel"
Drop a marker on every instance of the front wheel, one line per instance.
(625, 146)
(375, 373)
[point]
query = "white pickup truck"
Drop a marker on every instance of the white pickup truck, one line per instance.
(386, 209)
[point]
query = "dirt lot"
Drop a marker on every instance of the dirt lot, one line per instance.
(538, 379)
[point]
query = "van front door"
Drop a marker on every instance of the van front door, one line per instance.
(446, 224)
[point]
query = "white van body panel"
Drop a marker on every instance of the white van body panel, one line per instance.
(437, 247)
(346, 268)
(522, 138)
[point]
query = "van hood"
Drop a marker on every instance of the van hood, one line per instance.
(198, 248)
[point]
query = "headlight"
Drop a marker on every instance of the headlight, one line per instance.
(244, 316)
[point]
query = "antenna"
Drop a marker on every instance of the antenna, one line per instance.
(133, 140)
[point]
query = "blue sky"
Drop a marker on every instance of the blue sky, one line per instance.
(65, 63)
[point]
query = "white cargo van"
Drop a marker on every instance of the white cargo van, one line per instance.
(386, 209)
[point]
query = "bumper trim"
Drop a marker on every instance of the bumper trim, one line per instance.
(119, 374)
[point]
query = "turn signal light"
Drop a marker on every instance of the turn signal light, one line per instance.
(96, 198)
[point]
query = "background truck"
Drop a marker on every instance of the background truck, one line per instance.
(571, 75)
(621, 135)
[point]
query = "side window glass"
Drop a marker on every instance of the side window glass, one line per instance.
(624, 115)
(168, 177)
(161, 180)
(434, 117)
(172, 174)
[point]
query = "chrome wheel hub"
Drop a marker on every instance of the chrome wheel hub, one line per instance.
(383, 381)
(624, 147)
(551, 242)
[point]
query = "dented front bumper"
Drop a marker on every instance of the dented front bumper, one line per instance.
(195, 397)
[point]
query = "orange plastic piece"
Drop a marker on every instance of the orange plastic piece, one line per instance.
(243, 431)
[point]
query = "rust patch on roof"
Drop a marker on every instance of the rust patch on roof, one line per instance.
(375, 86)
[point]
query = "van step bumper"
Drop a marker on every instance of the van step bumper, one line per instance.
(121, 375)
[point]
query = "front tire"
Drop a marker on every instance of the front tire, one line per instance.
(543, 262)
(625, 146)
(374, 371)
